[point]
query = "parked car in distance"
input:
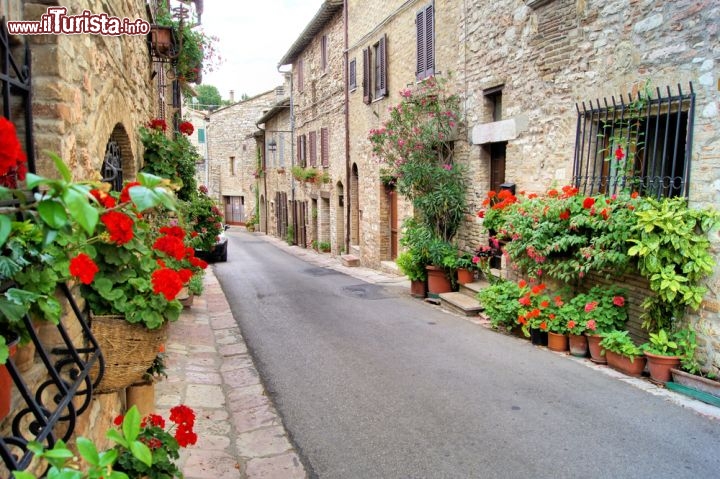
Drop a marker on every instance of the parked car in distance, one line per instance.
(218, 253)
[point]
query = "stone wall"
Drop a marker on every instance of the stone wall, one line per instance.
(232, 149)
(564, 52)
(320, 105)
(89, 89)
(367, 23)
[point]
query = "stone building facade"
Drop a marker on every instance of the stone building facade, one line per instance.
(529, 66)
(318, 209)
(90, 95)
(275, 181)
(233, 155)
(378, 29)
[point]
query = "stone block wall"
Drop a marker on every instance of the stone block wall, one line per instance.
(230, 135)
(89, 89)
(367, 23)
(554, 55)
(318, 105)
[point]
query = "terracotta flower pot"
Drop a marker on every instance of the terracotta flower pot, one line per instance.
(624, 365)
(418, 289)
(438, 282)
(465, 276)
(596, 355)
(660, 366)
(578, 345)
(557, 342)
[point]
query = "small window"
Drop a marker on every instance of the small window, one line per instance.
(232, 166)
(302, 150)
(352, 75)
(494, 99)
(324, 53)
(425, 42)
(639, 145)
(201, 135)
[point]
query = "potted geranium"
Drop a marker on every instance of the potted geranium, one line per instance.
(602, 309)
(500, 303)
(622, 353)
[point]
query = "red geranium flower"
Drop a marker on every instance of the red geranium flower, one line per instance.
(552, 193)
(525, 300)
(125, 193)
(571, 324)
(182, 414)
(185, 436)
(634, 194)
(171, 246)
(158, 124)
(619, 154)
(12, 156)
(543, 325)
(186, 128)
(591, 325)
(167, 282)
(590, 306)
(588, 203)
(103, 198)
(173, 231)
(185, 275)
(545, 304)
(83, 268)
(565, 215)
(618, 301)
(522, 283)
(538, 289)
(198, 263)
(119, 225)
(118, 420)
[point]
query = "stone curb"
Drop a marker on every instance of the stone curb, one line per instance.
(240, 434)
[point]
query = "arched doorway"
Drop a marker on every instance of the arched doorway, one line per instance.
(263, 214)
(118, 164)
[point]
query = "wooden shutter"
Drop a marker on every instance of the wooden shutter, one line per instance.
(324, 147)
(429, 41)
(301, 75)
(382, 53)
(304, 151)
(366, 76)
(299, 150)
(420, 44)
(425, 42)
(313, 148)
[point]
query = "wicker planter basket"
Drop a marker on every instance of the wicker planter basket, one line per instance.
(129, 350)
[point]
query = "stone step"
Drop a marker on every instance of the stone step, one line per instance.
(350, 260)
(390, 267)
(460, 303)
(472, 289)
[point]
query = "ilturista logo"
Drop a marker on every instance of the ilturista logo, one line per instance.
(56, 21)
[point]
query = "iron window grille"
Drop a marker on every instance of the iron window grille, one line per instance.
(641, 144)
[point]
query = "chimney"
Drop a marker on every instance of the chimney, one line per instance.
(232, 96)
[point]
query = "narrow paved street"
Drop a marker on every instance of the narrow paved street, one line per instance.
(372, 383)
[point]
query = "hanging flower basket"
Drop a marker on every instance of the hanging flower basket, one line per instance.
(162, 41)
(129, 350)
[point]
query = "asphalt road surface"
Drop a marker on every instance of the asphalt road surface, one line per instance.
(372, 383)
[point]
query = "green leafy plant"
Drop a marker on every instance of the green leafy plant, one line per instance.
(672, 246)
(196, 286)
(680, 343)
(500, 301)
(171, 158)
(204, 219)
(411, 266)
(324, 246)
(308, 174)
(416, 147)
(65, 465)
(619, 342)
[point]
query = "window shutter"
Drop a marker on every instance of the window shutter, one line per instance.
(366, 76)
(382, 51)
(299, 150)
(313, 148)
(324, 147)
(430, 41)
(420, 44)
(352, 75)
(301, 75)
(304, 151)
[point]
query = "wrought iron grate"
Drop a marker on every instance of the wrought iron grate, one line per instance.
(653, 132)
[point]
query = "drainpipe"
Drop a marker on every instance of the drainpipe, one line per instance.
(348, 189)
(292, 155)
